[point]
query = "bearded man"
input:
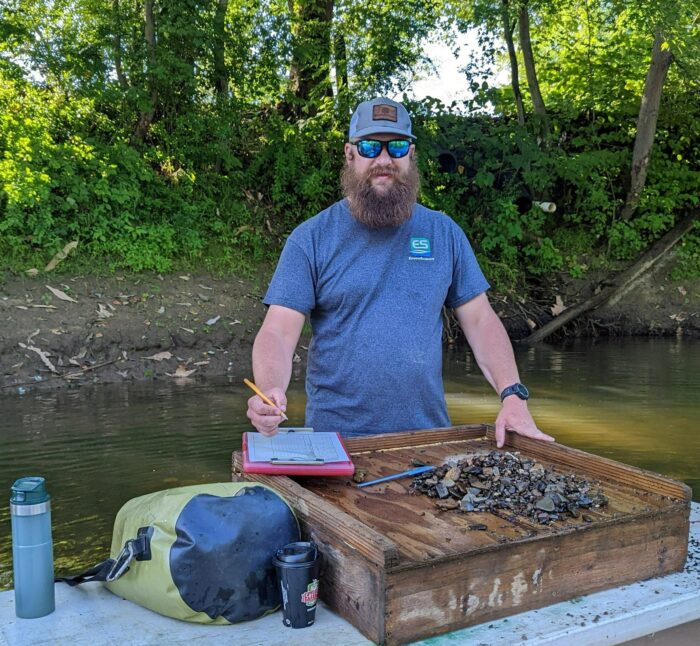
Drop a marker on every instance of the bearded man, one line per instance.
(373, 272)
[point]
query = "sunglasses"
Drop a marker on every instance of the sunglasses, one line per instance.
(372, 148)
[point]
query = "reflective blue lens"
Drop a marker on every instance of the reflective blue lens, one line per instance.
(369, 148)
(397, 147)
(372, 148)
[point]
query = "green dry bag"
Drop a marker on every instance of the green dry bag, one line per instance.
(201, 553)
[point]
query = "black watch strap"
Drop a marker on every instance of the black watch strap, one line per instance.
(516, 389)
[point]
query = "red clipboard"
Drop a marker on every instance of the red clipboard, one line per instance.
(344, 468)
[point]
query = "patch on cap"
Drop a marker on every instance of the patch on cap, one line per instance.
(384, 112)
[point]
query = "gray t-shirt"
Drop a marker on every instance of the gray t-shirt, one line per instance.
(375, 298)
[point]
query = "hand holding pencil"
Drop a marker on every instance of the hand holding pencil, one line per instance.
(263, 419)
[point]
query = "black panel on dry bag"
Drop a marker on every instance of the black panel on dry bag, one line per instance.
(221, 561)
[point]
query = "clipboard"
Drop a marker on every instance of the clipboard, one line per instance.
(301, 466)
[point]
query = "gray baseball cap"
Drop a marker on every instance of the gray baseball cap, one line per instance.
(379, 116)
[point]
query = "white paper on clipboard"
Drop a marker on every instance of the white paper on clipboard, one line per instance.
(296, 446)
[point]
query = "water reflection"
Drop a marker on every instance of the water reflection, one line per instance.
(630, 400)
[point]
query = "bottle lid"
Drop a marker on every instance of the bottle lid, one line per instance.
(299, 552)
(29, 491)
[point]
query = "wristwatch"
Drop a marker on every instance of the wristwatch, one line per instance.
(515, 389)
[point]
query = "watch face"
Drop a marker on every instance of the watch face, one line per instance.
(516, 389)
(521, 391)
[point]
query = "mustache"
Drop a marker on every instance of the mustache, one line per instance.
(386, 170)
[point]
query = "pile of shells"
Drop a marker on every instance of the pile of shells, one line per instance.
(506, 483)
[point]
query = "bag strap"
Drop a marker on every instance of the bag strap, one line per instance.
(138, 548)
(98, 572)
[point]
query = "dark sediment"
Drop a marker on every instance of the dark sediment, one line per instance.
(508, 483)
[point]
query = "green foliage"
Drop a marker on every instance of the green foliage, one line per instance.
(297, 164)
(688, 257)
(194, 148)
(501, 165)
(59, 186)
(583, 174)
(384, 41)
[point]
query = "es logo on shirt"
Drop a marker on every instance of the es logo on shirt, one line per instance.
(419, 249)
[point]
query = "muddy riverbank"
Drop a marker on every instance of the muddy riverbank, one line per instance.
(60, 330)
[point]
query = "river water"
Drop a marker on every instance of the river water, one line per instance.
(633, 400)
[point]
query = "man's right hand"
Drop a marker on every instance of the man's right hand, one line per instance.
(265, 418)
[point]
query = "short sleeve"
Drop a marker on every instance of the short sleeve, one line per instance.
(293, 283)
(468, 280)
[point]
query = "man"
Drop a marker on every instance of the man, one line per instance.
(373, 272)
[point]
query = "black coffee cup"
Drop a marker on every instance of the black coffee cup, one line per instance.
(297, 567)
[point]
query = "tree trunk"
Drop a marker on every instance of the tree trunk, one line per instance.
(621, 283)
(221, 78)
(309, 71)
(146, 117)
(220, 70)
(341, 74)
(514, 76)
(646, 123)
(529, 62)
(117, 45)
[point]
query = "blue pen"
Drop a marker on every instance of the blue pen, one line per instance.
(403, 474)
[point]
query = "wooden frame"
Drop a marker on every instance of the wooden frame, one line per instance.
(400, 570)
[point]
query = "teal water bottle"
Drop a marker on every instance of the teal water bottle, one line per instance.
(32, 548)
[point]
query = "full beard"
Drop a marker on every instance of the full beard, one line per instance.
(380, 209)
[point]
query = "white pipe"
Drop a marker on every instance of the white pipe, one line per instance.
(547, 207)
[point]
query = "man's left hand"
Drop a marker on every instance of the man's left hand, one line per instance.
(515, 416)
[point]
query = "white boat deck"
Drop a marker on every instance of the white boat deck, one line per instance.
(92, 616)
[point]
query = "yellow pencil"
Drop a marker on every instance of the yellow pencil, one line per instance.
(264, 397)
